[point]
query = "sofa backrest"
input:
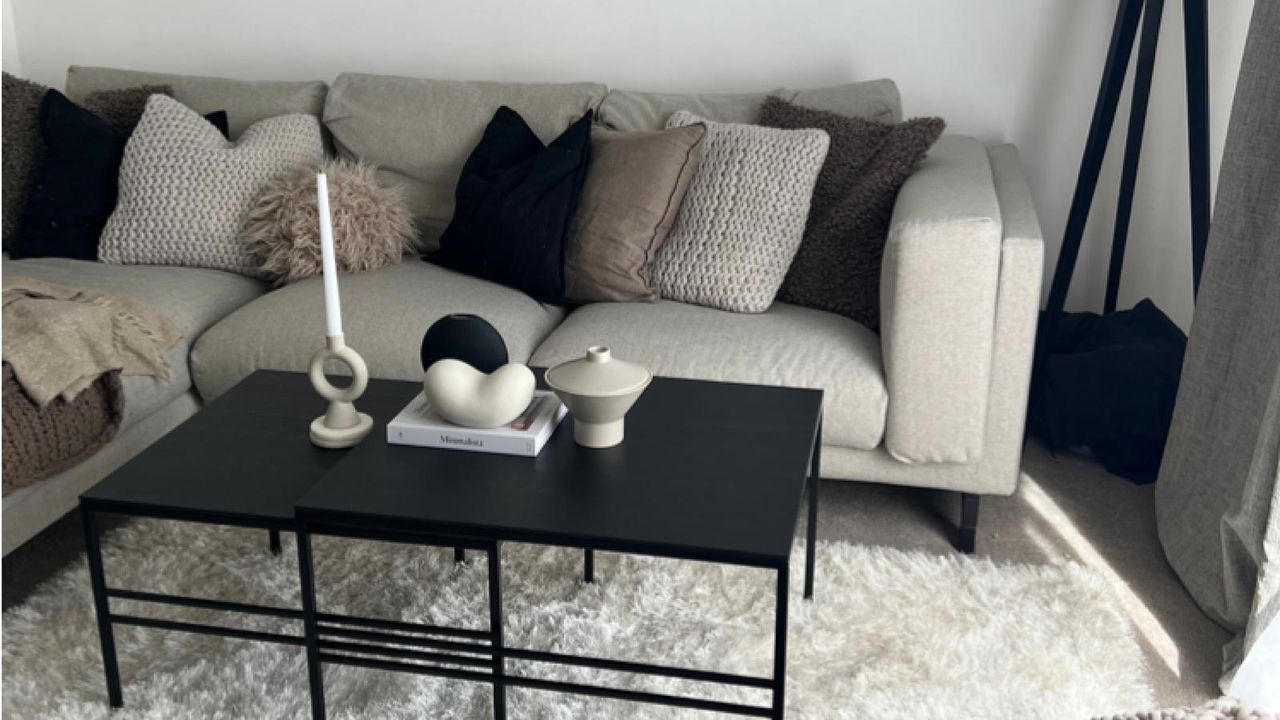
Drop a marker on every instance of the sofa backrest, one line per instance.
(628, 110)
(420, 132)
(246, 102)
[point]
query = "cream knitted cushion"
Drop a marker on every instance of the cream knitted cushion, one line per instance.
(185, 190)
(743, 217)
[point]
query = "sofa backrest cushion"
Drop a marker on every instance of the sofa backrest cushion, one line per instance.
(628, 110)
(246, 102)
(420, 132)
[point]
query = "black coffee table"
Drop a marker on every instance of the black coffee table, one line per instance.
(242, 460)
(708, 471)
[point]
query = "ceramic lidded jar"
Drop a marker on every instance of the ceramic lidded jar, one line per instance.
(599, 390)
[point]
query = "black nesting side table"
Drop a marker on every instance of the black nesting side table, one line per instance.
(716, 472)
(242, 460)
(709, 471)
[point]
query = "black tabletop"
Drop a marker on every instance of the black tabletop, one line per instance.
(243, 459)
(713, 471)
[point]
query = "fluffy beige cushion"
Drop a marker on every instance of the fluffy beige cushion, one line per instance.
(372, 226)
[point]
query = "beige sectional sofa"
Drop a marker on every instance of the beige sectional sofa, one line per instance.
(936, 400)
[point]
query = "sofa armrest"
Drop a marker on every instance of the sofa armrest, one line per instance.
(938, 288)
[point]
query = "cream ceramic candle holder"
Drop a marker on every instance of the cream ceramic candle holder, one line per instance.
(341, 426)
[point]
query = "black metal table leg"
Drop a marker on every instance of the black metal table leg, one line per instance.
(315, 671)
(106, 635)
(459, 555)
(811, 539)
(780, 645)
(495, 627)
(589, 565)
(273, 537)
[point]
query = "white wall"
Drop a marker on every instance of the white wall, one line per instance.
(1023, 71)
(9, 41)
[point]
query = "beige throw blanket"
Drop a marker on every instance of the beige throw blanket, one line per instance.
(60, 340)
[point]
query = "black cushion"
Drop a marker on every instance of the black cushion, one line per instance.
(74, 189)
(515, 199)
(218, 119)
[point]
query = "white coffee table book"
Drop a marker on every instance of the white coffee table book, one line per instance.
(419, 424)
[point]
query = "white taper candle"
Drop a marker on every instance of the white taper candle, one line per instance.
(328, 262)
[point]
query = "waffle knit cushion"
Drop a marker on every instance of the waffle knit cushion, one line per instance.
(837, 267)
(743, 215)
(185, 190)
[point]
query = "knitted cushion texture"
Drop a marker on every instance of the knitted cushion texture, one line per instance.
(743, 216)
(185, 191)
(837, 267)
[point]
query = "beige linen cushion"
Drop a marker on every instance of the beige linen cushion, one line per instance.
(743, 216)
(629, 110)
(245, 102)
(420, 132)
(185, 191)
(635, 185)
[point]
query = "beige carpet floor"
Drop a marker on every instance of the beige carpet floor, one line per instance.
(1067, 508)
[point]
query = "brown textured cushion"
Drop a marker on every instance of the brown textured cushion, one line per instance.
(22, 147)
(635, 184)
(43, 441)
(121, 109)
(838, 265)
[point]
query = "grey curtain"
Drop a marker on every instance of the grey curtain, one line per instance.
(1216, 506)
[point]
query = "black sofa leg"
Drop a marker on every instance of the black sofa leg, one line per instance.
(968, 531)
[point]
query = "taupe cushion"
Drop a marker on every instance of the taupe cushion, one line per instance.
(384, 315)
(635, 185)
(743, 217)
(627, 110)
(787, 345)
(186, 191)
(192, 299)
(420, 132)
(245, 102)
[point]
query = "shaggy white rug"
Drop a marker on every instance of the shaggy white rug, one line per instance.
(892, 633)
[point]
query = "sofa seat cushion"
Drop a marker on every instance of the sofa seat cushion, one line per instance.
(787, 345)
(384, 315)
(193, 299)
